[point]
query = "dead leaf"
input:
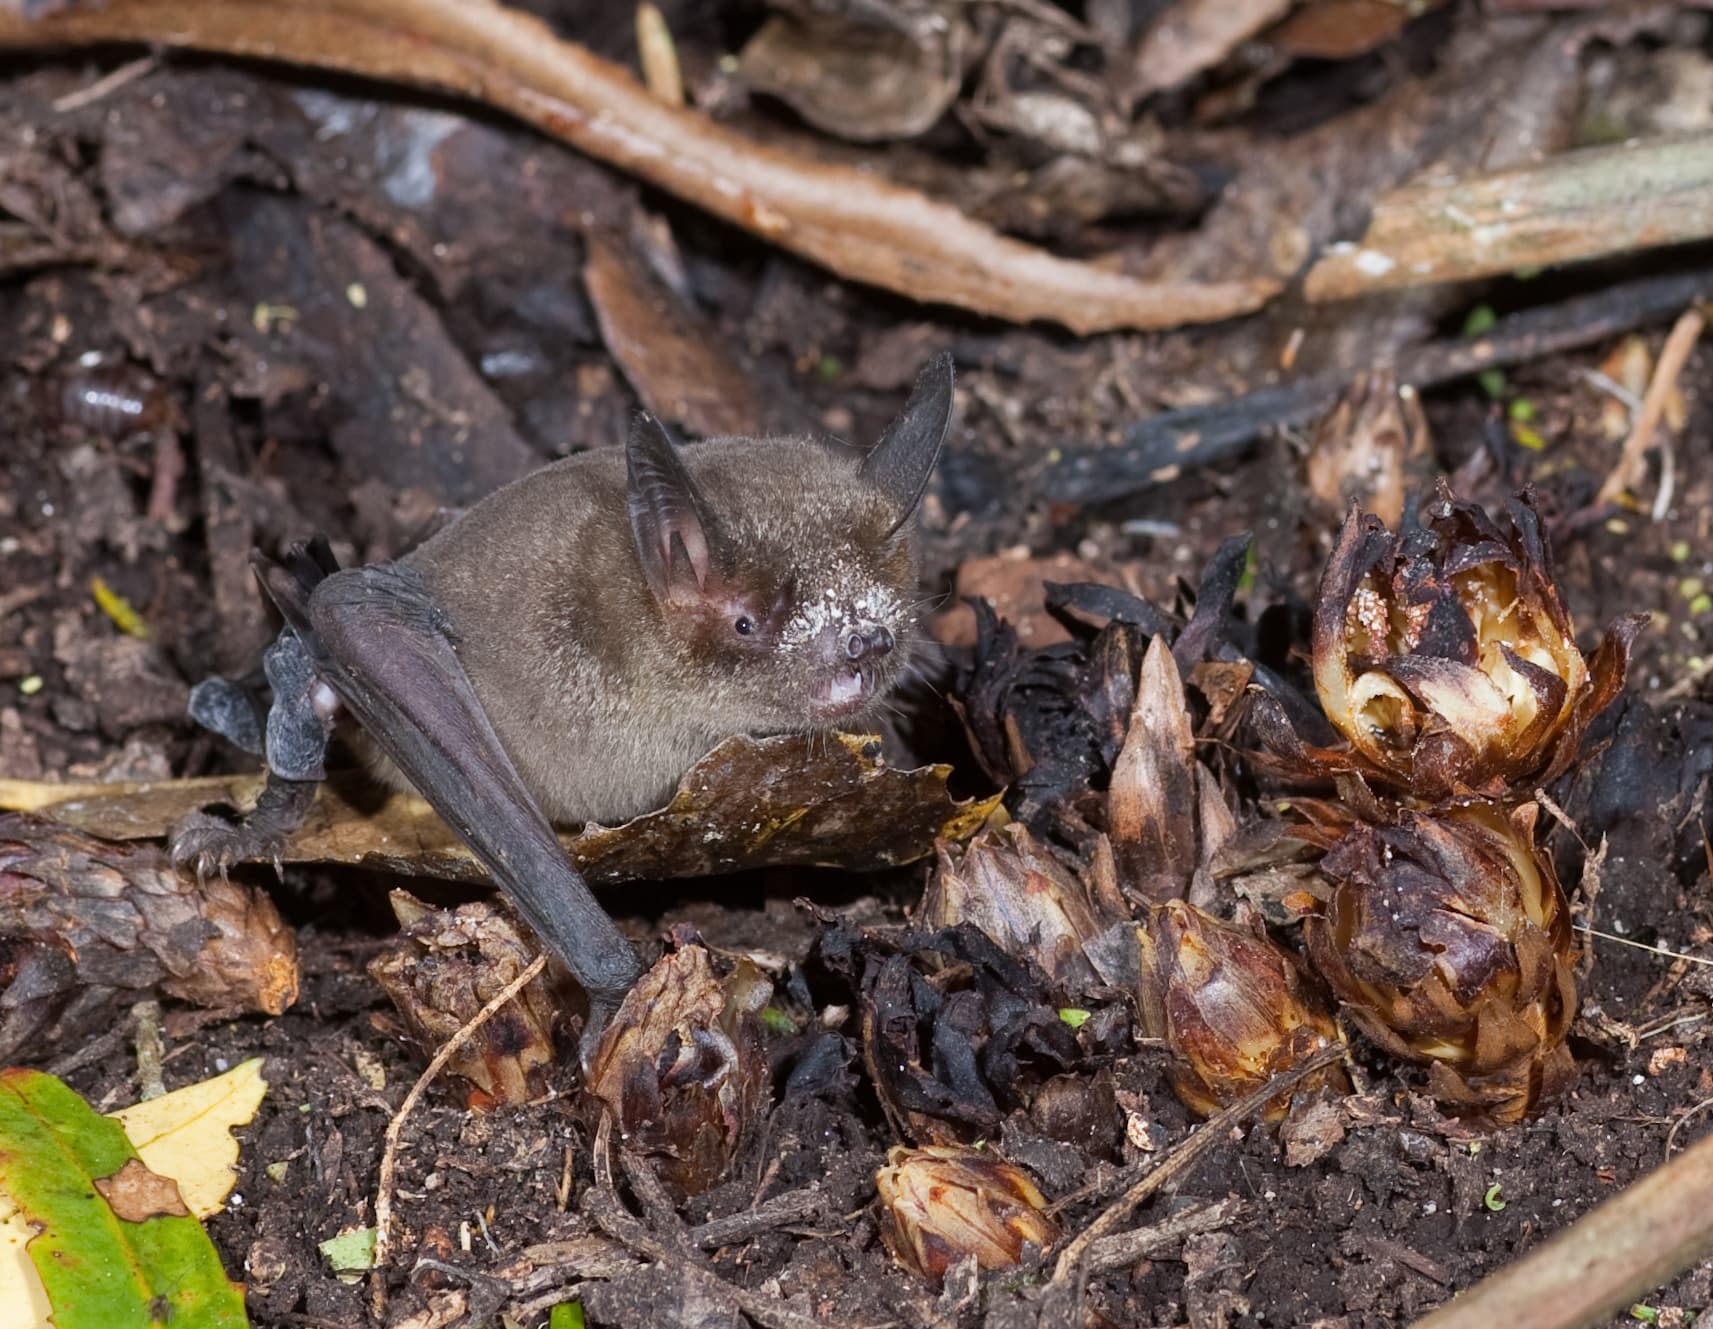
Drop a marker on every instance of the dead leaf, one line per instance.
(792, 800)
(134, 1193)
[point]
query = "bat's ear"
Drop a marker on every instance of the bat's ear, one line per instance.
(669, 518)
(900, 464)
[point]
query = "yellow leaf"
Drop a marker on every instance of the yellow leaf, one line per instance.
(187, 1134)
(118, 608)
(21, 1291)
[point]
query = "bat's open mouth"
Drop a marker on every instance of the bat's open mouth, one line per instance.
(842, 692)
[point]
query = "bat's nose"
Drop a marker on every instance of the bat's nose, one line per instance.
(870, 639)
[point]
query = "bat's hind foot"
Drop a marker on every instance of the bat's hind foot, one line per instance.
(212, 844)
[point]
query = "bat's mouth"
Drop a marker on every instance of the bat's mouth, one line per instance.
(842, 692)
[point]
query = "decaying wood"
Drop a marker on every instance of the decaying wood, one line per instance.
(1603, 1262)
(855, 224)
(1163, 447)
(1580, 205)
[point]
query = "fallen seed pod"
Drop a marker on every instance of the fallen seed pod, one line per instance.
(943, 1203)
(1448, 941)
(1234, 1007)
(1446, 657)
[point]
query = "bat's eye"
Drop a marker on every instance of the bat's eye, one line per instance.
(744, 626)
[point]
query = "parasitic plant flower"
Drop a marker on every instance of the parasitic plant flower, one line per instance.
(1235, 1008)
(682, 1067)
(1448, 941)
(1446, 657)
(443, 967)
(944, 1202)
(1008, 884)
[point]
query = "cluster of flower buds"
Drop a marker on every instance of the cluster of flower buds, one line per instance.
(1446, 659)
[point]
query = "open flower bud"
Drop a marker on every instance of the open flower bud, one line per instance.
(682, 1067)
(1446, 657)
(1235, 1008)
(943, 1203)
(1008, 884)
(1448, 941)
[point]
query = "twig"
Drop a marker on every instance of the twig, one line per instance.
(858, 225)
(1159, 449)
(1641, 945)
(1575, 206)
(107, 84)
(1603, 1262)
(792, 1207)
(1184, 1157)
(395, 1127)
(1145, 1243)
(1672, 357)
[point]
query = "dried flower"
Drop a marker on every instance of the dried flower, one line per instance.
(1008, 884)
(1448, 941)
(942, 1203)
(1235, 1007)
(1447, 658)
(682, 1068)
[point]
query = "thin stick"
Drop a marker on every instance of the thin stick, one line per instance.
(1186, 1155)
(1672, 356)
(1605, 1261)
(856, 224)
(1642, 945)
(107, 84)
(395, 1127)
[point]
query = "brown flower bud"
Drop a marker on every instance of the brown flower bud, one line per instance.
(1008, 884)
(942, 1203)
(1448, 941)
(1235, 1008)
(682, 1067)
(1447, 659)
(444, 966)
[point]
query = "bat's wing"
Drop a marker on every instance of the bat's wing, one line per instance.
(376, 637)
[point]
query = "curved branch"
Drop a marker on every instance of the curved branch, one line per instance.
(852, 222)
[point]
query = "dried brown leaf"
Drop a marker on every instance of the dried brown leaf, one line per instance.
(785, 801)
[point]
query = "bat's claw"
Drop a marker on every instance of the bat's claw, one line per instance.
(212, 845)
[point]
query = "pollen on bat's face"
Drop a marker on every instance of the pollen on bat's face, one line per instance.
(846, 640)
(837, 607)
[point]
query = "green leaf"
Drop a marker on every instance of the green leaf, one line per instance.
(1074, 1016)
(566, 1315)
(101, 1271)
(354, 1248)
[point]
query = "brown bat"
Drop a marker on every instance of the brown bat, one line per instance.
(569, 646)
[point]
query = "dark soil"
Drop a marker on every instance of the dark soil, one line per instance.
(353, 305)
